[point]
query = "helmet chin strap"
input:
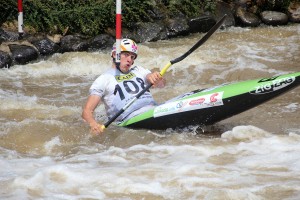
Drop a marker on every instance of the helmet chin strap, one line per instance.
(118, 66)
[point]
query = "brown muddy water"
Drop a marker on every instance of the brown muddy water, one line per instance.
(47, 152)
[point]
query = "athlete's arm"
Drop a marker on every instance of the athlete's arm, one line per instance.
(88, 114)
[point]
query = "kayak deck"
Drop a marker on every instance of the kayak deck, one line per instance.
(209, 106)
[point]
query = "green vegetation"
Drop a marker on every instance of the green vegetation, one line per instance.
(84, 16)
(190, 8)
(8, 10)
(91, 17)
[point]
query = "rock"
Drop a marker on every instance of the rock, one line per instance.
(23, 54)
(177, 26)
(243, 3)
(147, 32)
(223, 8)
(201, 24)
(5, 60)
(294, 12)
(45, 46)
(101, 42)
(274, 18)
(245, 18)
(71, 43)
(8, 35)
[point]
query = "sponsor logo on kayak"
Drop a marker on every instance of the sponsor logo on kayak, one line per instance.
(195, 103)
(181, 105)
(272, 84)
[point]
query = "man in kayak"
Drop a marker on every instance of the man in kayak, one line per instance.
(120, 84)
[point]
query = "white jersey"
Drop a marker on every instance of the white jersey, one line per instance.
(117, 89)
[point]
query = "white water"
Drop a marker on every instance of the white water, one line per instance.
(46, 151)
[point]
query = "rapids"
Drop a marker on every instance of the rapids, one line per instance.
(47, 152)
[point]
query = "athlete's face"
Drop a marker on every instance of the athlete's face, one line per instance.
(127, 60)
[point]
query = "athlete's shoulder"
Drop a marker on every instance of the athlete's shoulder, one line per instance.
(105, 77)
(112, 71)
(138, 68)
(135, 68)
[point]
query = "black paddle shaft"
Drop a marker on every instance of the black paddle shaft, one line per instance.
(126, 106)
(201, 41)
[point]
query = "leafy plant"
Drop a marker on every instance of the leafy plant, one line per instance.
(8, 10)
(92, 17)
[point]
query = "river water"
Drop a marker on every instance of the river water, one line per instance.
(47, 152)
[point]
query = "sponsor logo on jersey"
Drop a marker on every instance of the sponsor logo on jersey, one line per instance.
(125, 77)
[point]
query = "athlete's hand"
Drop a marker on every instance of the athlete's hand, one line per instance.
(96, 128)
(156, 79)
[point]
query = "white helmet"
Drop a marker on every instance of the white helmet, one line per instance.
(127, 45)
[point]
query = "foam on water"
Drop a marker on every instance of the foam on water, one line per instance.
(38, 110)
(293, 107)
(67, 64)
(234, 163)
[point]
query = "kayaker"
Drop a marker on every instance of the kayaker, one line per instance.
(117, 86)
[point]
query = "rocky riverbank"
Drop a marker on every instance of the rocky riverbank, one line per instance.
(30, 48)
